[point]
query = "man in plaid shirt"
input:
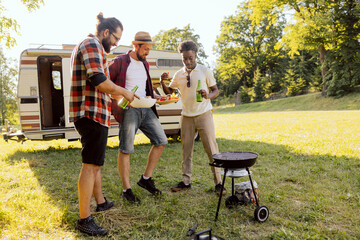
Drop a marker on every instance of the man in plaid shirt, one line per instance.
(90, 110)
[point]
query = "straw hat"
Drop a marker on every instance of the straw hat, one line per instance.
(142, 37)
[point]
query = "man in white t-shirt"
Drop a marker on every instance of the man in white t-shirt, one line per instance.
(195, 116)
(130, 70)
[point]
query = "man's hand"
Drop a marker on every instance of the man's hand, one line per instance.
(203, 94)
(129, 95)
(164, 76)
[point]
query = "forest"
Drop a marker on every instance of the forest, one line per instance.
(267, 49)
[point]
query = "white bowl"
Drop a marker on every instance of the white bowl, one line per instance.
(143, 102)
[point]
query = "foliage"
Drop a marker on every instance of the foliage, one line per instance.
(246, 44)
(255, 38)
(344, 62)
(8, 103)
(259, 86)
(245, 95)
(332, 29)
(301, 73)
(7, 25)
(170, 40)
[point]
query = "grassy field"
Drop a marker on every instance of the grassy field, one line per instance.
(308, 102)
(308, 172)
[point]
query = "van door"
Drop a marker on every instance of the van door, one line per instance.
(67, 84)
(51, 92)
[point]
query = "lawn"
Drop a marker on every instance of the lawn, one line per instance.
(308, 173)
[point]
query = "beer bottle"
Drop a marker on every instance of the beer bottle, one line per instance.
(123, 102)
(198, 95)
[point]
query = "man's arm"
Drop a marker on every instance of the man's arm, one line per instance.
(213, 94)
(167, 90)
(104, 84)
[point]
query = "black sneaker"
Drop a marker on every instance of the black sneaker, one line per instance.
(180, 186)
(104, 206)
(88, 226)
(148, 185)
(218, 189)
(129, 196)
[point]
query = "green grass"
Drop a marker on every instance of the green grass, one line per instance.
(308, 172)
(309, 102)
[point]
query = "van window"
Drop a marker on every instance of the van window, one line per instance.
(169, 63)
(56, 79)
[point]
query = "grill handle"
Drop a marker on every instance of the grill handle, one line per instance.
(215, 164)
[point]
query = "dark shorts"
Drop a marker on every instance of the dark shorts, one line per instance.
(93, 140)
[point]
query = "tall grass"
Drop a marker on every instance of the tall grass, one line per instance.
(307, 172)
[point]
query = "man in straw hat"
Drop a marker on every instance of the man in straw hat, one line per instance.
(89, 109)
(130, 70)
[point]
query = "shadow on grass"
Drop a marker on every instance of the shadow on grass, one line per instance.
(308, 195)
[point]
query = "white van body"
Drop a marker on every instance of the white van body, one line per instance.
(43, 92)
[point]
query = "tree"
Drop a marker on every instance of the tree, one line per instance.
(247, 45)
(302, 73)
(7, 25)
(170, 40)
(318, 25)
(344, 60)
(8, 104)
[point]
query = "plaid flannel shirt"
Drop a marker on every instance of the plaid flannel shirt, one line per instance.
(117, 69)
(87, 60)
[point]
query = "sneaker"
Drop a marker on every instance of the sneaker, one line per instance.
(148, 185)
(104, 206)
(88, 226)
(218, 189)
(129, 196)
(180, 186)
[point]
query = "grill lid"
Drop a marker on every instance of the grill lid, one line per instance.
(235, 155)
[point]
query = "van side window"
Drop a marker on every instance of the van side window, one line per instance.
(56, 78)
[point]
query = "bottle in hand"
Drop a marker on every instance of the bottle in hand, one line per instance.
(198, 95)
(123, 102)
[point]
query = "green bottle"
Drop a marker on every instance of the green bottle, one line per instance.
(123, 102)
(198, 95)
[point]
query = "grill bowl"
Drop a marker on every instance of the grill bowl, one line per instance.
(234, 159)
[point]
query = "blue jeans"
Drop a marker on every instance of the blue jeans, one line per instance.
(143, 119)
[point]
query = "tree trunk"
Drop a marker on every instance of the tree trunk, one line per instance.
(237, 97)
(324, 69)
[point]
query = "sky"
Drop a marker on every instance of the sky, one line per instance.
(69, 21)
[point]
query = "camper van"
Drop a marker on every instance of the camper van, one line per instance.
(44, 91)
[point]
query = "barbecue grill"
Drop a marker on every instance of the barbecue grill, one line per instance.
(235, 162)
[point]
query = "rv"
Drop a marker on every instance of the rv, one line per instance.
(43, 92)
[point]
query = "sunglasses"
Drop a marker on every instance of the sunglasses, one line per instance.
(188, 80)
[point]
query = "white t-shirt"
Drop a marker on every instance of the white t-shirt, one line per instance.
(136, 75)
(191, 108)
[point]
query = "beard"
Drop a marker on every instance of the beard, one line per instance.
(142, 59)
(106, 44)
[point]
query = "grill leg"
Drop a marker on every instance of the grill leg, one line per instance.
(222, 188)
(232, 187)
(252, 186)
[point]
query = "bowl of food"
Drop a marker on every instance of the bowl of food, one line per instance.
(143, 102)
(168, 99)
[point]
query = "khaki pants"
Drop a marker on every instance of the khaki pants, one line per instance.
(204, 124)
